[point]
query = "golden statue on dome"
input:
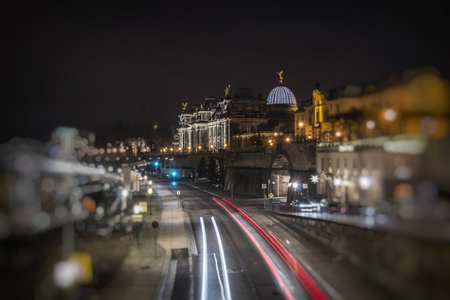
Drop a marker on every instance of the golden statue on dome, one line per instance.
(184, 104)
(227, 91)
(281, 76)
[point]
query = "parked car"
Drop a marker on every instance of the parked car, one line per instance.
(329, 206)
(306, 205)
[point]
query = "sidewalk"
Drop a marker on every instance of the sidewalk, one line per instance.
(143, 273)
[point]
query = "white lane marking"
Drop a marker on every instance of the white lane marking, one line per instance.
(224, 263)
(218, 277)
(205, 274)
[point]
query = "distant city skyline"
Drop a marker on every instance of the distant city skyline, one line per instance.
(85, 65)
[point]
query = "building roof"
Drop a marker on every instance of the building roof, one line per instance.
(281, 95)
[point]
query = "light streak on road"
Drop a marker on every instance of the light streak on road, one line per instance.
(224, 264)
(205, 274)
(311, 287)
(283, 287)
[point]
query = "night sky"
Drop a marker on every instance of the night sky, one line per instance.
(83, 64)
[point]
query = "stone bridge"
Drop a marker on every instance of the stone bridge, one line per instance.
(254, 171)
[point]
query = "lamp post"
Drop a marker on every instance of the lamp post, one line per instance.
(149, 194)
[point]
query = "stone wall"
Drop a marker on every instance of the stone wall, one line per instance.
(411, 267)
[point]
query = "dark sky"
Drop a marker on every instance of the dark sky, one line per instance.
(85, 63)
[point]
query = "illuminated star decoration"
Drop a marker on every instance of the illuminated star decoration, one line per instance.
(314, 178)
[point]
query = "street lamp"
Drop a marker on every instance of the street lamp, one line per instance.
(149, 195)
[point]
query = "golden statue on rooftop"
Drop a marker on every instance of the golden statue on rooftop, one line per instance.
(227, 91)
(281, 76)
(184, 104)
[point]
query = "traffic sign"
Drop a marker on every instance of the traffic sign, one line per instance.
(264, 186)
(155, 224)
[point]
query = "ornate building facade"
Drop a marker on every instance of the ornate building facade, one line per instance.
(238, 122)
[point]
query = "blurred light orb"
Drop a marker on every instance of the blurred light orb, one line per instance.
(110, 169)
(365, 182)
(390, 115)
(370, 124)
(66, 273)
(402, 173)
(48, 185)
(428, 125)
(100, 210)
(77, 209)
(337, 181)
(41, 220)
(53, 150)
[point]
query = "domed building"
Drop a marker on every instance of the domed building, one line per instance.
(281, 106)
(241, 121)
(281, 95)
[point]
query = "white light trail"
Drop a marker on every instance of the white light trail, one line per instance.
(224, 264)
(205, 274)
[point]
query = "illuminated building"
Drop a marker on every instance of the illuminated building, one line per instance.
(216, 125)
(242, 121)
(373, 140)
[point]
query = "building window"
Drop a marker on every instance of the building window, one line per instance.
(249, 129)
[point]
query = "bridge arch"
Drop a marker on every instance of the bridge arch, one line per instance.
(280, 174)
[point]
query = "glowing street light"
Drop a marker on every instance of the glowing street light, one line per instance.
(370, 124)
(365, 182)
(390, 115)
(337, 181)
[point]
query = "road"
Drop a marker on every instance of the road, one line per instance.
(254, 268)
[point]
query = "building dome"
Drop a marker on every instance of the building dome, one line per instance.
(281, 95)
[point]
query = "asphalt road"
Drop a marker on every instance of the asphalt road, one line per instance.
(249, 274)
